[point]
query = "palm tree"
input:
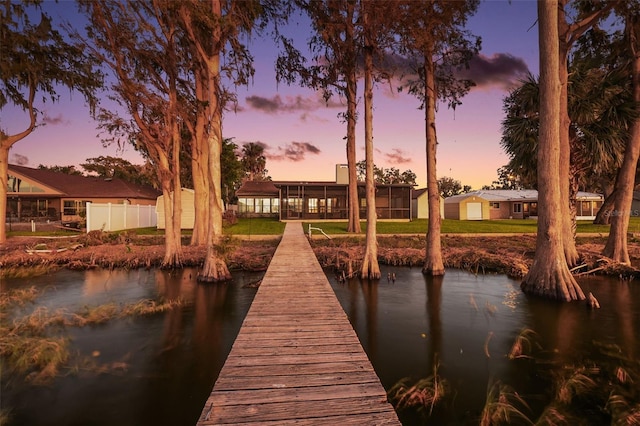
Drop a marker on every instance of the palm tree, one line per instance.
(600, 110)
(253, 161)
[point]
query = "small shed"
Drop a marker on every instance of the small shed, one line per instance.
(420, 204)
(188, 209)
(466, 207)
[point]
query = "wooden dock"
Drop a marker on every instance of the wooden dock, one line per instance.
(296, 359)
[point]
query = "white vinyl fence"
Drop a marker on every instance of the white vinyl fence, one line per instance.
(114, 217)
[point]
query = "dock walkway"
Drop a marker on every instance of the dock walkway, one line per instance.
(296, 359)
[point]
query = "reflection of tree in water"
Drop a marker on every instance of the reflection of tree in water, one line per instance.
(208, 327)
(370, 295)
(418, 400)
(174, 285)
(434, 304)
(207, 302)
(192, 348)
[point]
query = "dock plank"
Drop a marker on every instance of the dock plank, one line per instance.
(296, 359)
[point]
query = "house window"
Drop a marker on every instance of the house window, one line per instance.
(517, 207)
(15, 184)
(495, 205)
(327, 205)
(74, 208)
(258, 203)
(295, 205)
(245, 205)
(312, 205)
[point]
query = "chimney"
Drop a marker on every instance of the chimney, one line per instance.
(342, 174)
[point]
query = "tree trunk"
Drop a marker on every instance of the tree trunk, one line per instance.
(433, 264)
(603, 217)
(6, 142)
(172, 245)
(370, 267)
(353, 200)
(199, 172)
(215, 268)
(573, 211)
(616, 247)
(199, 169)
(4, 171)
(549, 275)
(568, 234)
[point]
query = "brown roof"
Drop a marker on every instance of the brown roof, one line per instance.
(86, 187)
(252, 187)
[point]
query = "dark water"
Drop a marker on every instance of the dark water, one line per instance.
(159, 369)
(150, 370)
(467, 325)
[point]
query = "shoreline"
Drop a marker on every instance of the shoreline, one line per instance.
(489, 253)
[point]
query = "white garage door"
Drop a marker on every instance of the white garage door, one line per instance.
(474, 211)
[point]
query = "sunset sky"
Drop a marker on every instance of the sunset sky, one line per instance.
(303, 137)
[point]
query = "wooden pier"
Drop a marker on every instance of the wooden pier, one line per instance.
(296, 359)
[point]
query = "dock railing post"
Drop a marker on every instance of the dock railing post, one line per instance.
(317, 229)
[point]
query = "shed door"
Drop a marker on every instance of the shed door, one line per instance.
(474, 211)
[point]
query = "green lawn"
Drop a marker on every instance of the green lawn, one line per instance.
(266, 226)
(255, 226)
(450, 226)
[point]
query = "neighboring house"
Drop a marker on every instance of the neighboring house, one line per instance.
(287, 200)
(37, 194)
(511, 204)
(420, 204)
(188, 214)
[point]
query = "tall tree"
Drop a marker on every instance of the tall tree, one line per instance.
(333, 70)
(616, 246)
(434, 31)
(370, 25)
(549, 275)
(138, 42)
(215, 30)
(195, 119)
(37, 61)
(568, 34)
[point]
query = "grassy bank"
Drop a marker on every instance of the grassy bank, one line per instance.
(268, 226)
(262, 226)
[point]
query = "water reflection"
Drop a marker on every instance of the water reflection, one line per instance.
(433, 287)
(138, 370)
(468, 324)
